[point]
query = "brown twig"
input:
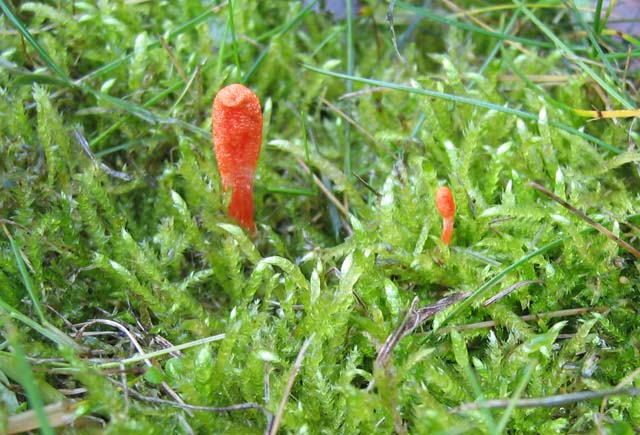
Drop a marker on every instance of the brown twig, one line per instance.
(351, 121)
(546, 402)
(330, 196)
(87, 149)
(624, 245)
(275, 424)
(173, 59)
(508, 290)
(627, 380)
(393, 32)
(59, 414)
(526, 318)
(135, 343)
(367, 185)
(414, 318)
(186, 406)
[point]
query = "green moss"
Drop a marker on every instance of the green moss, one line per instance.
(158, 254)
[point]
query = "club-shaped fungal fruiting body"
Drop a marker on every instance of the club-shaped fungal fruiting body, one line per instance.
(447, 208)
(237, 137)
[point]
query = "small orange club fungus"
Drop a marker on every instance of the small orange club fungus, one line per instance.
(237, 136)
(447, 209)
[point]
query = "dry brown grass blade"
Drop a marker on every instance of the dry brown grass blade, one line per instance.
(59, 414)
(275, 424)
(414, 318)
(526, 318)
(549, 401)
(624, 245)
(508, 290)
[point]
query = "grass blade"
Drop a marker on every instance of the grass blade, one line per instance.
(105, 69)
(26, 279)
(13, 18)
(471, 28)
(350, 71)
(27, 380)
(234, 38)
(467, 100)
(480, 291)
(572, 56)
(524, 380)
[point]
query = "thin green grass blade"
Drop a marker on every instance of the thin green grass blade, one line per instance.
(617, 56)
(45, 328)
(175, 87)
(418, 126)
(597, 27)
(255, 65)
(307, 154)
(222, 50)
(350, 71)
(596, 46)
(32, 41)
(604, 22)
(573, 57)
(292, 191)
(54, 335)
(506, 58)
(279, 31)
(124, 105)
(471, 28)
(462, 357)
(105, 69)
(507, 30)
(466, 100)
(27, 380)
(284, 28)
(480, 291)
(101, 137)
(24, 79)
(522, 384)
(26, 280)
(234, 38)
(151, 355)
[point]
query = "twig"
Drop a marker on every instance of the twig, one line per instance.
(367, 185)
(393, 32)
(125, 387)
(624, 245)
(273, 429)
(623, 383)
(267, 393)
(87, 149)
(173, 59)
(186, 406)
(141, 351)
(330, 196)
(136, 358)
(508, 290)
(59, 414)
(413, 319)
(527, 318)
(546, 402)
(362, 92)
(351, 121)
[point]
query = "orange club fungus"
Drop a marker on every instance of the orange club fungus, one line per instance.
(447, 209)
(236, 122)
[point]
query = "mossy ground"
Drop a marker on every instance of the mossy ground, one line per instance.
(129, 250)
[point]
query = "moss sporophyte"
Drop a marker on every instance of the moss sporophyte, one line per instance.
(447, 209)
(237, 137)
